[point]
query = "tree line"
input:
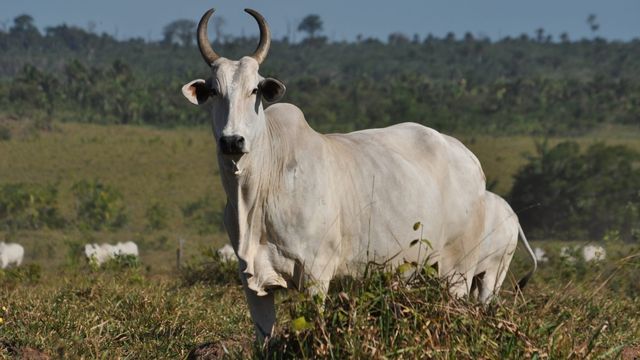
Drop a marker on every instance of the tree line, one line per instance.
(527, 84)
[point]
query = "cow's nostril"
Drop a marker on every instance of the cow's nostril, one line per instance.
(232, 144)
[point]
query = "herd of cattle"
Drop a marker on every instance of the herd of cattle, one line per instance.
(12, 254)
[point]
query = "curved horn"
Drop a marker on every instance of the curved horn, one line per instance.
(204, 45)
(265, 36)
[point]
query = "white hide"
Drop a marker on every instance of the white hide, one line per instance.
(10, 254)
(227, 254)
(498, 245)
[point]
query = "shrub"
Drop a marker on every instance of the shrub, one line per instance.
(98, 206)
(121, 262)
(205, 214)
(384, 315)
(26, 274)
(568, 194)
(29, 207)
(156, 217)
(5, 133)
(210, 269)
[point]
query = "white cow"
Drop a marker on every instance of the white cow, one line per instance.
(589, 253)
(498, 246)
(99, 253)
(105, 252)
(227, 254)
(541, 255)
(593, 253)
(127, 248)
(10, 253)
(303, 207)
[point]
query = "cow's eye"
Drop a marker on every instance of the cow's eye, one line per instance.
(254, 91)
(214, 92)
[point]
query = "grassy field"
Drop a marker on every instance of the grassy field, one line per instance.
(60, 306)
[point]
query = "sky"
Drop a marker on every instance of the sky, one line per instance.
(343, 19)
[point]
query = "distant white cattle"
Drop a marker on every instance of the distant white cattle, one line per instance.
(105, 252)
(589, 253)
(541, 255)
(566, 253)
(10, 253)
(593, 253)
(501, 229)
(127, 248)
(227, 254)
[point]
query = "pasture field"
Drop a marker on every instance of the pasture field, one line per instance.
(59, 305)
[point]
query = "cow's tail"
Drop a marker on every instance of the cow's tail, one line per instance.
(523, 282)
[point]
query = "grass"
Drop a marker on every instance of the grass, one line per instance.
(60, 306)
(127, 312)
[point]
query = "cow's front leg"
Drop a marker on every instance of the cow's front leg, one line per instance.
(317, 290)
(262, 309)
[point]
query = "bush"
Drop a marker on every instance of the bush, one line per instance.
(5, 133)
(156, 217)
(564, 193)
(210, 269)
(29, 207)
(384, 315)
(98, 206)
(26, 274)
(205, 214)
(121, 262)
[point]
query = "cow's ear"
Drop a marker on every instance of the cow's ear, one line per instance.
(196, 91)
(272, 90)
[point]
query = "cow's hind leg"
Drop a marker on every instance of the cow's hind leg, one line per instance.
(488, 288)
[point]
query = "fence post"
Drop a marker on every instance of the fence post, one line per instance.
(179, 253)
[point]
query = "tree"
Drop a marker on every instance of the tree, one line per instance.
(566, 193)
(22, 24)
(24, 31)
(593, 23)
(311, 25)
(181, 31)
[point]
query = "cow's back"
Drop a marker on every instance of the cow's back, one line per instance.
(392, 178)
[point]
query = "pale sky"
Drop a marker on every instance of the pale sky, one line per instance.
(343, 19)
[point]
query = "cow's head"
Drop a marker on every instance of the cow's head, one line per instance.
(236, 90)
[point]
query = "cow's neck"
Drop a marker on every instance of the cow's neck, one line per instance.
(249, 181)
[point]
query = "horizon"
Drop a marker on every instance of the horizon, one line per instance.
(494, 20)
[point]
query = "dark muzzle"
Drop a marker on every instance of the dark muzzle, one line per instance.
(232, 145)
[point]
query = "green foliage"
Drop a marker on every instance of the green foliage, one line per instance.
(5, 133)
(26, 275)
(523, 85)
(209, 269)
(205, 215)
(98, 206)
(120, 262)
(29, 206)
(157, 217)
(568, 194)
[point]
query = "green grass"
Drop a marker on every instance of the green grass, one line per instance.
(154, 311)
